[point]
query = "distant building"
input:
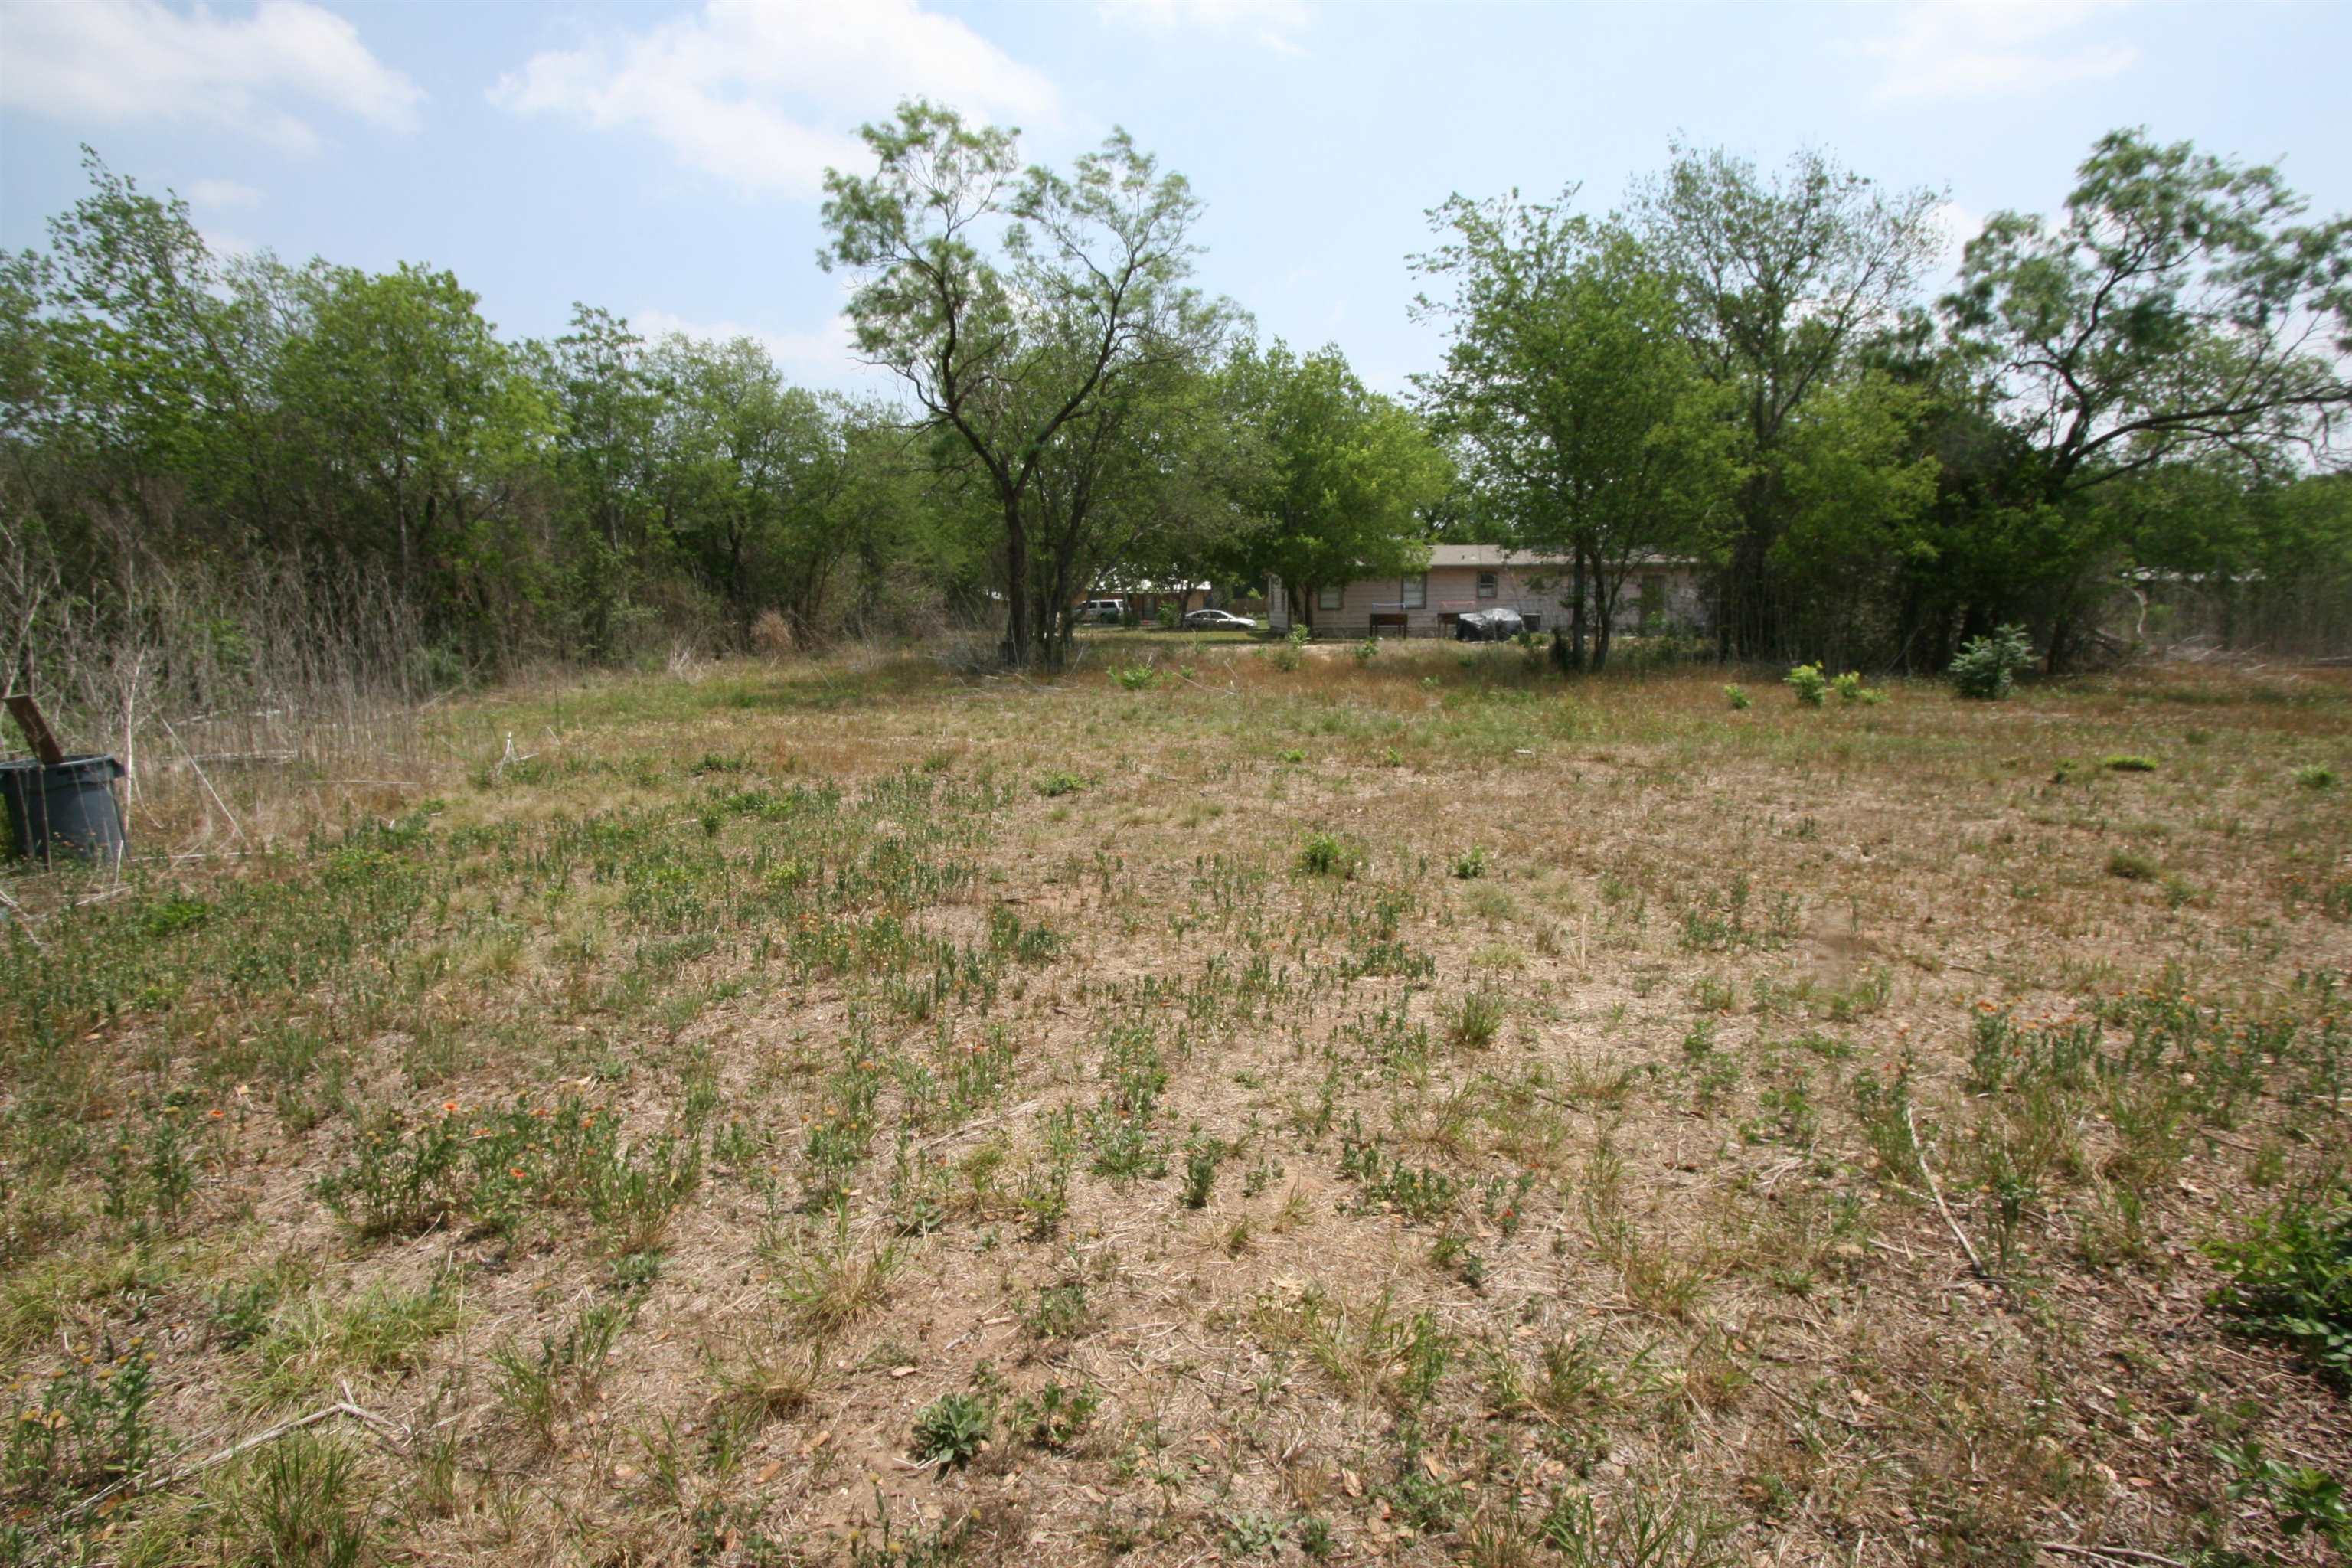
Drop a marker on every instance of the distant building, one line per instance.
(1660, 594)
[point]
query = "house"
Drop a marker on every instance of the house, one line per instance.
(1461, 578)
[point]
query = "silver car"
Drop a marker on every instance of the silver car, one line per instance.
(1217, 621)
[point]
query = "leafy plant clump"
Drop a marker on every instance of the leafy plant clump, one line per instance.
(951, 1430)
(1739, 698)
(2291, 1277)
(1327, 855)
(2132, 866)
(1364, 652)
(1988, 667)
(1809, 685)
(1054, 784)
(2315, 775)
(2128, 763)
(1850, 688)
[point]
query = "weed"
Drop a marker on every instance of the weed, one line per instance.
(1807, 684)
(1739, 698)
(1327, 855)
(2315, 776)
(951, 1431)
(1055, 785)
(2127, 763)
(2290, 1276)
(2132, 866)
(1471, 865)
(1988, 667)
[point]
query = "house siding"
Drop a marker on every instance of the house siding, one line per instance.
(1453, 591)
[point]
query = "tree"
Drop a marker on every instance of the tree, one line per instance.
(1345, 476)
(1595, 435)
(2176, 311)
(1084, 295)
(420, 426)
(1780, 278)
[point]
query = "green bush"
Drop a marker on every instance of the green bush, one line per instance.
(1850, 688)
(1988, 667)
(1054, 784)
(1809, 684)
(1327, 855)
(1136, 678)
(2315, 776)
(2132, 866)
(2291, 1277)
(951, 1429)
(1365, 651)
(1738, 697)
(2127, 763)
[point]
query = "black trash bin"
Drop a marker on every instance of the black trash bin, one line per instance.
(66, 808)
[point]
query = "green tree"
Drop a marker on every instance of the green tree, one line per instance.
(422, 428)
(2178, 310)
(1341, 480)
(1782, 276)
(1012, 302)
(1596, 435)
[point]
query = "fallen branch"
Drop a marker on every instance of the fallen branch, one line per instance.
(1936, 1192)
(396, 1433)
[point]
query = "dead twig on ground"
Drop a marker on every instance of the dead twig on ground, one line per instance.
(1936, 1191)
(384, 1426)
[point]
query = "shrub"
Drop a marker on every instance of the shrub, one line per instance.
(1469, 867)
(1054, 784)
(1738, 697)
(772, 634)
(2127, 763)
(950, 1430)
(1365, 651)
(1327, 855)
(1850, 688)
(1136, 678)
(1809, 684)
(2315, 776)
(1286, 653)
(2291, 1278)
(2131, 866)
(1988, 667)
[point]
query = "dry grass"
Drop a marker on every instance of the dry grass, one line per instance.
(645, 1132)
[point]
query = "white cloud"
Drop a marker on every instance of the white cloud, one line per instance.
(114, 62)
(824, 357)
(765, 94)
(1271, 24)
(1950, 50)
(223, 193)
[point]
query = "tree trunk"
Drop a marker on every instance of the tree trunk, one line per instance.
(1017, 645)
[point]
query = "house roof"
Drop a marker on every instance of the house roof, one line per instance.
(1491, 555)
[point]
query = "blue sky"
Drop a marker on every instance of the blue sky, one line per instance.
(663, 160)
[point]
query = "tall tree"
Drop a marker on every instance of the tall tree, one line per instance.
(2176, 309)
(1596, 435)
(1780, 275)
(1011, 302)
(1345, 478)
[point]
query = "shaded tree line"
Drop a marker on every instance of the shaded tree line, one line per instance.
(2116, 425)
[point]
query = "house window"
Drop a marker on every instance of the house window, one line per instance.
(1488, 586)
(1328, 598)
(1412, 593)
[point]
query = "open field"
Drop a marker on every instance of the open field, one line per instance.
(1419, 1111)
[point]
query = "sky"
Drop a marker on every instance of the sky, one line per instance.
(666, 160)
